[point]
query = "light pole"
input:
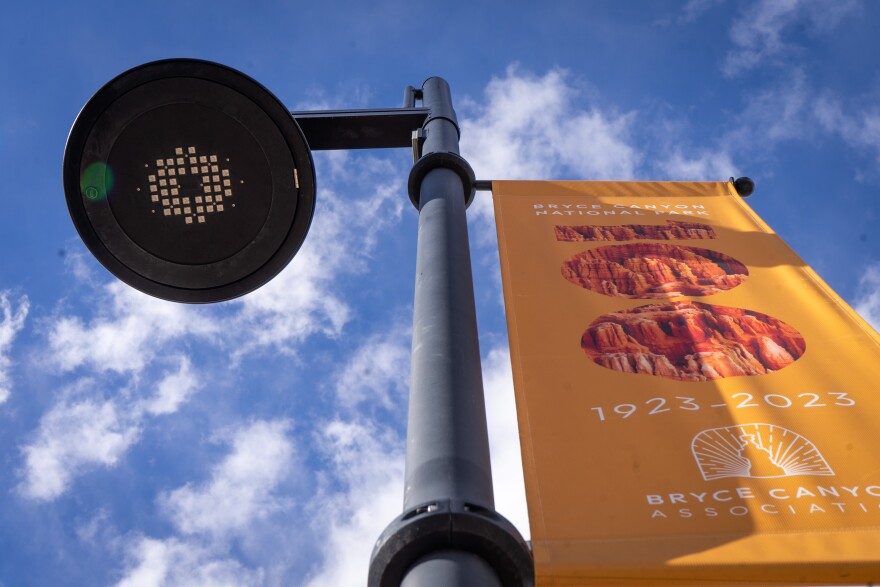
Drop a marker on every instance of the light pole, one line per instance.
(449, 533)
(217, 133)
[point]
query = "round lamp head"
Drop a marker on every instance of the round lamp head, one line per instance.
(189, 181)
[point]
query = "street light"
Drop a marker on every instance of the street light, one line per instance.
(189, 181)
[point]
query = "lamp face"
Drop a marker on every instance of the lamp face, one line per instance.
(189, 181)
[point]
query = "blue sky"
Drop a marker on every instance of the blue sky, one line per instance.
(260, 441)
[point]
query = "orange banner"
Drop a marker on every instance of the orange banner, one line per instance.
(695, 405)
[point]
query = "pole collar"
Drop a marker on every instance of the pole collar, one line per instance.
(437, 97)
(456, 525)
(444, 160)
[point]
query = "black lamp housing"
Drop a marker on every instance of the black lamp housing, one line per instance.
(189, 181)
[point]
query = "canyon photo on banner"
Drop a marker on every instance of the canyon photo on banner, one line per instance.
(690, 341)
(653, 271)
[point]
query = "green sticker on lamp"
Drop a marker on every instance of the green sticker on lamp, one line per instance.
(96, 181)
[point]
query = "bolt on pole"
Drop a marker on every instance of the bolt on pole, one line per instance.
(449, 534)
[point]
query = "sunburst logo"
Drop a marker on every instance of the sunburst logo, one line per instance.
(756, 450)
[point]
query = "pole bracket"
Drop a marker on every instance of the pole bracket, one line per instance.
(444, 160)
(455, 525)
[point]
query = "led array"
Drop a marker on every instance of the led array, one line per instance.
(179, 195)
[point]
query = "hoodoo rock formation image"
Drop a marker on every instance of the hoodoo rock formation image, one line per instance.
(670, 231)
(653, 271)
(690, 341)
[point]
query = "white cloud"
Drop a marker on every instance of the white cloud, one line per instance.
(129, 330)
(78, 262)
(789, 109)
(76, 435)
(707, 165)
(93, 530)
(369, 465)
(176, 563)
(361, 489)
(690, 12)
(779, 113)
(378, 372)
(867, 302)
(504, 440)
(824, 17)
(172, 391)
(758, 32)
(299, 301)
(860, 129)
(241, 489)
(240, 493)
(302, 299)
(13, 318)
(531, 127)
(152, 564)
(84, 431)
(694, 9)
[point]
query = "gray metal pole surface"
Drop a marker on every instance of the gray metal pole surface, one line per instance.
(447, 443)
(447, 452)
(450, 568)
(449, 534)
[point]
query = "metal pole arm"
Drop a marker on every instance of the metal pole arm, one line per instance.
(382, 128)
